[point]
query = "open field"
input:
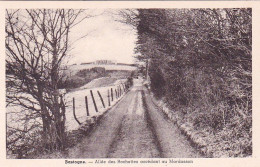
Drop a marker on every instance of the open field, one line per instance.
(18, 120)
(16, 115)
(80, 106)
(99, 82)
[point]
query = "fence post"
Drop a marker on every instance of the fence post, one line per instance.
(116, 93)
(127, 85)
(74, 113)
(112, 94)
(86, 101)
(95, 105)
(123, 87)
(101, 99)
(108, 97)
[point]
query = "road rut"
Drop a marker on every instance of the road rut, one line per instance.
(134, 128)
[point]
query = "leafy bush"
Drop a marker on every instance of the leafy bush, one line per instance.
(200, 61)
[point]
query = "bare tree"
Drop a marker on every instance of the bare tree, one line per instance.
(37, 43)
(126, 16)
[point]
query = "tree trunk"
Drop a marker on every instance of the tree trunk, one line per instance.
(58, 110)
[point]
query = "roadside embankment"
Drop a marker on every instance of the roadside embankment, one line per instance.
(209, 144)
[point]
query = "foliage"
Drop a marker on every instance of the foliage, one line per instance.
(200, 61)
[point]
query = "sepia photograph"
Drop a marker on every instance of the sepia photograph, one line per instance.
(128, 83)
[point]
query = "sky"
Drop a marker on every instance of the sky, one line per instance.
(106, 39)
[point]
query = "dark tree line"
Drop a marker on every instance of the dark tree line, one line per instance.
(200, 62)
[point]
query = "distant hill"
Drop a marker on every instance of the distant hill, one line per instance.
(78, 75)
(107, 62)
(73, 69)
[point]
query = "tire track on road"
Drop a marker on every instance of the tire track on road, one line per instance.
(134, 128)
(97, 144)
(135, 140)
(150, 125)
(173, 143)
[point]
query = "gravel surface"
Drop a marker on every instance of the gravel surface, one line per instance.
(172, 142)
(134, 128)
(135, 139)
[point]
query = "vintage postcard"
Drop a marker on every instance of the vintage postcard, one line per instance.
(130, 83)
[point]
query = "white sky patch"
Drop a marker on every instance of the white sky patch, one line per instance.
(107, 39)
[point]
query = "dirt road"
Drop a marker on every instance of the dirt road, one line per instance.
(134, 128)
